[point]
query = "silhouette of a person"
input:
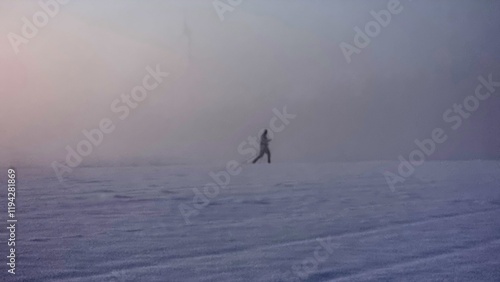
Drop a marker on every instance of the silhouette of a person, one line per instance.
(264, 148)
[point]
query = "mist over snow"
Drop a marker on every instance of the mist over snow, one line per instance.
(128, 129)
(226, 77)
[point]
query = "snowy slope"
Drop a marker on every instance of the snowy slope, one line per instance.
(124, 224)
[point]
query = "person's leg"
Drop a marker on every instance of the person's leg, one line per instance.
(261, 153)
(268, 155)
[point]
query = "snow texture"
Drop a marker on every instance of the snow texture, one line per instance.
(124, 224)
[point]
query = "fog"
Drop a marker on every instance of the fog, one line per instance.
(226, 77)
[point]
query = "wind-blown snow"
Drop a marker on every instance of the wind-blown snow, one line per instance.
(123, 224)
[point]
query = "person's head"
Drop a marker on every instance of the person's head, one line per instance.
(265, 132)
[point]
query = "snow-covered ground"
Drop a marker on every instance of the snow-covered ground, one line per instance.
(277, 222)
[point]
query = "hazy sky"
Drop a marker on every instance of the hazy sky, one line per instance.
(227, 76)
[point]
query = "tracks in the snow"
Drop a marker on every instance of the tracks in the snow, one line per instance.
(181, 259)
(393, 267)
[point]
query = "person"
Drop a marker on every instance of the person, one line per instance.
(264, 148)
